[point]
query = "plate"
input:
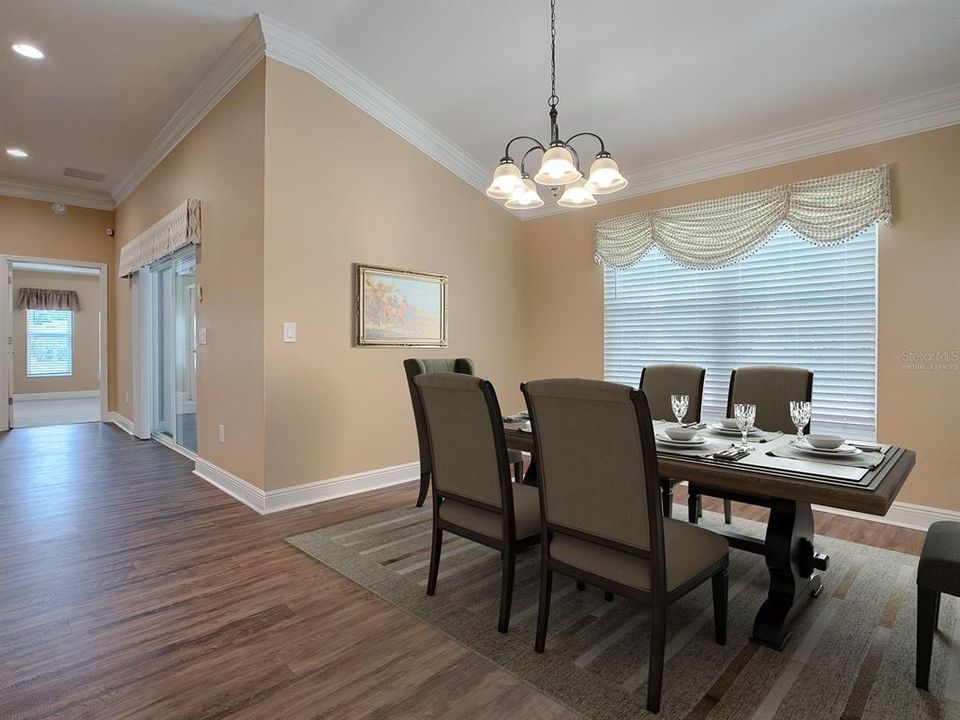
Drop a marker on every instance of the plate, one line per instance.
(695, 442)
(717, 427)
(841, 451)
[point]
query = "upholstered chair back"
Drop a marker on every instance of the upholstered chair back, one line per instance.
(414, 367)
(770, 388)
(596, 459)
(659, 382)
(465, 435)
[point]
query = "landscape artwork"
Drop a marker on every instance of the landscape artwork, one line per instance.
(401, 308)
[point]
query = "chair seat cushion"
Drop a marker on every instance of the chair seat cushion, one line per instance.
(939, 567)
(526, 510)
(689, 550)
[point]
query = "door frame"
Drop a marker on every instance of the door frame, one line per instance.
(6, 330)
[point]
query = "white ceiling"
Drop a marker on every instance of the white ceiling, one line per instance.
(657, 80)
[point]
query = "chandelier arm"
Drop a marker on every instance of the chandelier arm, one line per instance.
(576, 156)
(539, 147)
(599, 139)
(537, 143)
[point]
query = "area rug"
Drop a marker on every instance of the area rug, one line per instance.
(851, 655)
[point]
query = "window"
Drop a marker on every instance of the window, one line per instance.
(49, 343)
(790, 303)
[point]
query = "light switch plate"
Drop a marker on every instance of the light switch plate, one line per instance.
(202, 336)
(289, 332)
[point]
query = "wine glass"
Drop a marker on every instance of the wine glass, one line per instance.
(800, 411)
(679, 403)
(744, 414)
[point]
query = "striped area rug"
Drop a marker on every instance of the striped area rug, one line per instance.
(851, 654)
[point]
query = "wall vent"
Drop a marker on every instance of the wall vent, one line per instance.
(84, 174)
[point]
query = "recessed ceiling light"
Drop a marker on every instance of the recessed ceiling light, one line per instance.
(17, 153)
(28, 51)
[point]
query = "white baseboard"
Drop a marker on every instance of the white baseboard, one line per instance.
(236, 487)
(121, 422)
(307, 494)
(66, 395)
(903, 514)
(323, 490)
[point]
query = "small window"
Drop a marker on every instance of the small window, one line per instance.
(49, 343)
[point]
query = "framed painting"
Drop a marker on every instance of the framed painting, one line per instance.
(401, 308)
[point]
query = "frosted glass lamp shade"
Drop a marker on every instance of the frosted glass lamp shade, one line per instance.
(557, 167)
(577, 195)
(506, 181)
(605, 176)
(525, 198)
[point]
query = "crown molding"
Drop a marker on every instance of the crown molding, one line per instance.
(239, 59)
(303, 52)
(908, 116)
(54, 193)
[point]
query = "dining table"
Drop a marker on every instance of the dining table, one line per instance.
(789, 483)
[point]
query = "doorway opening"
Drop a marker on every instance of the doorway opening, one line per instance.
(53, 323)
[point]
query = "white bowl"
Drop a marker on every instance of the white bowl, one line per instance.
(730, 424)
(825, 442)
(675, 432)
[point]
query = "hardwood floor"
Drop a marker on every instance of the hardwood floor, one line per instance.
(130, 588)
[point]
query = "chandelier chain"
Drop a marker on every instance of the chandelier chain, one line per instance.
(553, 54)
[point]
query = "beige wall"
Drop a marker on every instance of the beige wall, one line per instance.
(343, 189)
(221, 163)
(919, 293)
(86, 334)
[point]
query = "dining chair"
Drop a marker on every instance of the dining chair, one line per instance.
(600, 510)
(473, 496)
(414, 367)
(658, 383)
(770, 388)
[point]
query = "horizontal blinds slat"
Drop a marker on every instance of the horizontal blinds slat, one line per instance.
(790, 303)
(49, 343)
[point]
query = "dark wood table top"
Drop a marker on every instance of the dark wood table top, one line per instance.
(873, 494)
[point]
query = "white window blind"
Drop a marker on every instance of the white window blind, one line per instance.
(790, 303)
(49, 343)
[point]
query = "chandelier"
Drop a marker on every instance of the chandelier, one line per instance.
(560, 162)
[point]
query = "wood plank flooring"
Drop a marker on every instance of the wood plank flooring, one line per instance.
(129, 588)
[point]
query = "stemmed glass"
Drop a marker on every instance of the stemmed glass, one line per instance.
(745, 415)
(800, 411)
(679, 403)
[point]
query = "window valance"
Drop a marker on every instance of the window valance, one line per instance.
(719, 232)
(41, 299)
(178, 228)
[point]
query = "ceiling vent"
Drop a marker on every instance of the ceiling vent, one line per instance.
(84, 175)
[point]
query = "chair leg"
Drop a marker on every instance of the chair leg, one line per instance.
(658, 640)
(693, 502)
(927, 602)
(666, 493)
(506, 588)
(518, 472)
(721, 584)
(699, 506)
(543, 614)
(424, 487)
(727, 512)
(434, 560)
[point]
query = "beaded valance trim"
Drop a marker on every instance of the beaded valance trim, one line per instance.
(714, 233)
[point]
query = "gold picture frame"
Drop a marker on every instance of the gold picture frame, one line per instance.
(400, 308)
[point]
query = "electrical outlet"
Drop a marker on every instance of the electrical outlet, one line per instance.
(220, 433)
(202, 336)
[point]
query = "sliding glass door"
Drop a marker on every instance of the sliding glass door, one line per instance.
(173, 362)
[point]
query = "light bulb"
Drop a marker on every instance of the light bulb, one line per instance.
(526, 197)
(577, 195)
(506, 180)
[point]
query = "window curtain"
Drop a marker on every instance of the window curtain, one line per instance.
(714, 233)
(40, 299)
(178, 228)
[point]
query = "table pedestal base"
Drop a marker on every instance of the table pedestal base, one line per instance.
(791, 561)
